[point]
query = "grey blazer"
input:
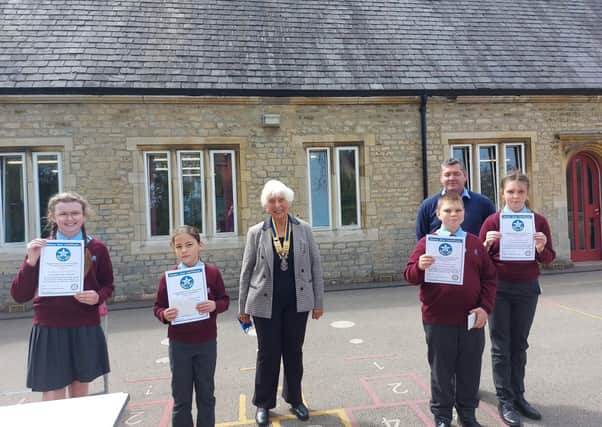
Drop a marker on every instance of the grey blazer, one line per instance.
(256, 275)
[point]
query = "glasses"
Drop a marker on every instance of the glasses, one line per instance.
(74, 214)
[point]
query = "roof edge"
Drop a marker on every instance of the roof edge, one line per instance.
(311, 93)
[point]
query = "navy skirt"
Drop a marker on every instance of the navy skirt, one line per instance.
(59, 356)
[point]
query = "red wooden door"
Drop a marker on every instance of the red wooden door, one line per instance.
(583, 187)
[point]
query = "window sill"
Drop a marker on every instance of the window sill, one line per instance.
(13, 253)
(160, 245)
(345, 235)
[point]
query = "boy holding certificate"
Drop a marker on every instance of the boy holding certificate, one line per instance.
(454, 350)
(189, 298)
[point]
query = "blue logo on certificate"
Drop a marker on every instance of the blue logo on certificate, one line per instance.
(186, 282)
(445, 249)
(518, 225)
(63, 254)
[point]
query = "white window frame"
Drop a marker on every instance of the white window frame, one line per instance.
(522, 154)
(497, 171)
(234, 193)
(146, 193)
(357, 185)
(25, 201)
(181, 185)
(38, 208)
(309, 150)
(469, 168)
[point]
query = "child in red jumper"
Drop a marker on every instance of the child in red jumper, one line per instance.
(192, 346)
(516, 300)
(454, 352)
(67, 348)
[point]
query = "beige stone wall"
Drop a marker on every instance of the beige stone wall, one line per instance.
(103, 140)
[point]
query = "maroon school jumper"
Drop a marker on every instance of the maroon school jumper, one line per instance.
(66, 311)
(450, 304)
(202, 330)
(518, 271)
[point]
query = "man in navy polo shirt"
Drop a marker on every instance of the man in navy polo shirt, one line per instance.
(476, 206)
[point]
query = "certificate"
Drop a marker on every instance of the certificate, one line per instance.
(517, 243)
(61, 268)
(449, 259)
(185, 289)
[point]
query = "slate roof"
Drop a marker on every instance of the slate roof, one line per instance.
(300, 46)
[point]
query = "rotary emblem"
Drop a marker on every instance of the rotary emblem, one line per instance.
(518, 225)
(186, 282)
(63, 254)
(445, 249)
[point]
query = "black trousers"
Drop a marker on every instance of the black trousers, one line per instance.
(509, 326)
(193, 365)
(280, 337)
(454, 355)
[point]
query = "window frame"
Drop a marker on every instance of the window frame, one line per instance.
(522, 167)
(500, 145)
(338, 149)
(3, 242)
(234, 192)
(329, 185)
(468, 165)
(149, 234)
(38, 208)
(181, 187)
(496, 176)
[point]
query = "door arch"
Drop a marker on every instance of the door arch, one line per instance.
(583, 192)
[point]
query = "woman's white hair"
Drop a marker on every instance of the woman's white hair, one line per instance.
(276, 188)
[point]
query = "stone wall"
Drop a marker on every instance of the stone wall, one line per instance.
(103, 140)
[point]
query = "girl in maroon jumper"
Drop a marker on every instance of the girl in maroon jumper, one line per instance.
(67, 348)
(192, 346)
(516, 299)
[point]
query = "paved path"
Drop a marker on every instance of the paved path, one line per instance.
(373, 373)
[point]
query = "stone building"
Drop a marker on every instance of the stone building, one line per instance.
(164, 112)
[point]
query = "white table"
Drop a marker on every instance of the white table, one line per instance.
(101, 410)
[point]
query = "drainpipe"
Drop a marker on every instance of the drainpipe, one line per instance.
(425, 185)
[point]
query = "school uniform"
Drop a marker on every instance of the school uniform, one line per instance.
(477, 208)
(66, 343)
(193, 353)
(454, 353)
(516, 301)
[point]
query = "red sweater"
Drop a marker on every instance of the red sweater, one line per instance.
(66, 311)
(450, 304)
(517, 271)
(202, 330)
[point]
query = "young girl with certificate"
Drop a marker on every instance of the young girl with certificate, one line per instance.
(67, 347)
(192, 344)
(515, 303)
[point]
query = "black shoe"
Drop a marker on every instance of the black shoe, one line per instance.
(526, 409)
(469, 422)
(262, 417)
(509, 414)
(442, 422)
(300, 412)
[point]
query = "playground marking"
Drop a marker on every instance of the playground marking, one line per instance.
(571, 309)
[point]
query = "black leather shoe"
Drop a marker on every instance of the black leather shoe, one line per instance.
(509, 414)
(300, 412)
(262, 417)
(442, 422)
(526, 409)
(469, 422)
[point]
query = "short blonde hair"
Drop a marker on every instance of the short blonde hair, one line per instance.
(276, 188)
